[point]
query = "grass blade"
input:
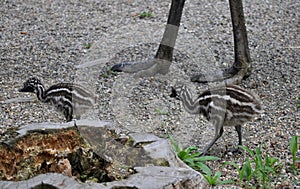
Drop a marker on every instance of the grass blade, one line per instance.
(294, 146)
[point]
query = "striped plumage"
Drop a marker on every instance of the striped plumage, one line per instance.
(229, 105)
(69, 98)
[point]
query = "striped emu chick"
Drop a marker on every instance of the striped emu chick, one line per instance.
(224, 106)
(68, 98)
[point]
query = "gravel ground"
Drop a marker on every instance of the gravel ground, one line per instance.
(50, 39)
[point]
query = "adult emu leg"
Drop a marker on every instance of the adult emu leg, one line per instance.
(161, 62)
(163, 58)
(241, 67)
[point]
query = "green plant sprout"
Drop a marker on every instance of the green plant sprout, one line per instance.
(145, 14)
(294, 148)
(261, 169)
(87, 45)
(161, 112)
(107, 72)
(193, 158)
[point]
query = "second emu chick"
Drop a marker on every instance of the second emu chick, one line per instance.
(228, 105)
(68, 98)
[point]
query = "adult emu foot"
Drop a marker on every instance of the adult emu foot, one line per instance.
(231, 75)
(146, 68)
(162, 60)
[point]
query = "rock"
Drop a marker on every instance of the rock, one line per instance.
(137, 160)
(162, 177)
(146, 178)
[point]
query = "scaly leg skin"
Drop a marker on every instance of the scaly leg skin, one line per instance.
(133, 67)
(232, 75)
(163, 58)
(242, 61)
(218, 133)
(147, 68)
(238, 71)
(238, 129)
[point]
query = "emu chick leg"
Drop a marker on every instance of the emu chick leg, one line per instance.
(218, 133)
